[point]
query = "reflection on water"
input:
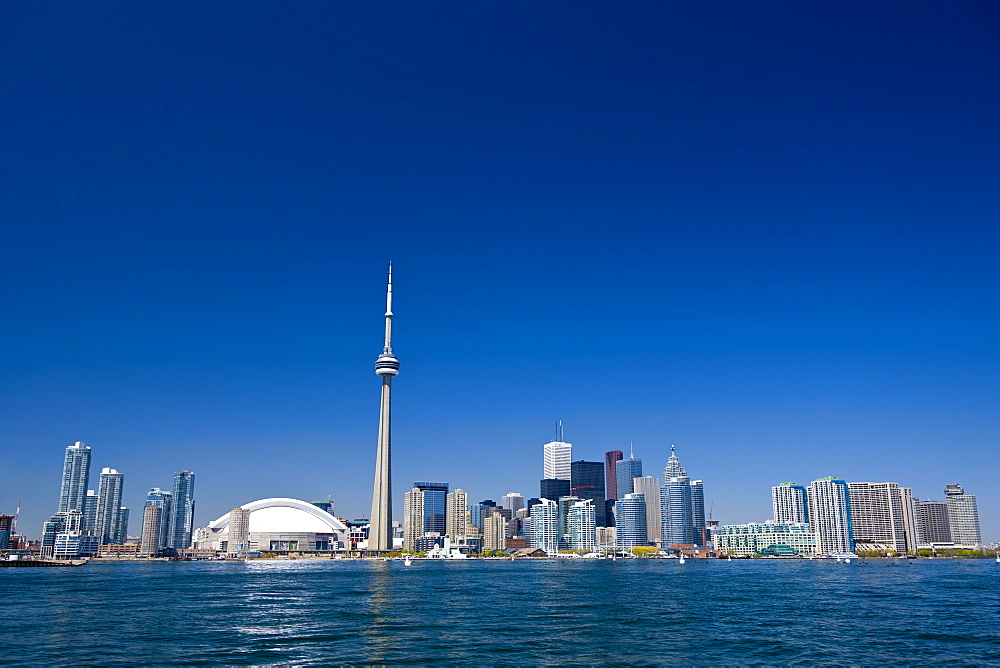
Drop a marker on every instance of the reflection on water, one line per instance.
(378, 605)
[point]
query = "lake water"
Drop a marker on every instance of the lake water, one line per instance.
(646, 612)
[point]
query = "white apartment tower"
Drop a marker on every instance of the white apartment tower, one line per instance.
(413, 518)
(456, 514)
(963, 516)
(830, 515)
(879, 515)
(495, 532)
(788, 500)
(557, 455)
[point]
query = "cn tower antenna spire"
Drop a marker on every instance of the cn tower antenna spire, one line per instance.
(388, 315)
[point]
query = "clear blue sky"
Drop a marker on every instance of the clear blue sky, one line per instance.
(766, 232)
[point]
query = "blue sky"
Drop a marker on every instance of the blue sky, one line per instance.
(764, 232)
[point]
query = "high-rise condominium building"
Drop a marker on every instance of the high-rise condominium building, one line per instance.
(649, 487)
(630, 522)
(580, 529)
(457, 514)
(881, 513)
(90, 511)
(557, 456)
(830, 515)
(239, 530)
(75, 477)
(788, 500)
(413, 518)
(152, 531)
(109, 503)
(161, 499)
(545, 526)
(682, 505)
(121, 537)
(495, 532)
(963, 516)
(435, 506)
(181, 511)
(480, 511)
(625, 471)
(611, 457)
(932, 522)
(770, 538)
(587, 482)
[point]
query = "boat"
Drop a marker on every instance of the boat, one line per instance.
(406, 561)
(13, 561)
(681, 560)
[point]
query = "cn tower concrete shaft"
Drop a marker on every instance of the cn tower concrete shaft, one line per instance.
(386, 366)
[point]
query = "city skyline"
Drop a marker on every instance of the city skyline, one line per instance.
(767, 237)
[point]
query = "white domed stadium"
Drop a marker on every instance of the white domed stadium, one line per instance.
(277, 525)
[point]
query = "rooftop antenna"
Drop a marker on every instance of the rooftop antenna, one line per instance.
(630, 450)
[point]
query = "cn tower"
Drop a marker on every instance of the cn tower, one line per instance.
(386, 366)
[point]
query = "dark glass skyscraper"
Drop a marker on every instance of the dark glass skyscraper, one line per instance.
(611, 473)
(182, 511)
(626, 470)
(587, 482)
(75, 477)
(553, 488)
(435, 504)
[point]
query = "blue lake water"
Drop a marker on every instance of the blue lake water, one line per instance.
(503, 613)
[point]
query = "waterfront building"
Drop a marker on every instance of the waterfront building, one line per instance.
(699, 528)
(74, 544)
(239, 530)
(413, 518)
(625, 471)
(150, 541)
(161, 499)
(121, 534)
(830, 515)
(554, 488)
(765, 539)
(181, 511)
(963, 516)
(75, 477)
(109, 501)
(556, 458)
(630, 522)
(564, 504)
(676, 510)
(604, 538)
(580, 528)
(788, 500)
(649, 487)
(495, 532)
(588, 483)
(6, 530)
(457, 515)
(277, 525)
(380, 537)
(545, 526)
(90, 511)
(611, 458)
(880, 514)
(68, 521)
(932, 522)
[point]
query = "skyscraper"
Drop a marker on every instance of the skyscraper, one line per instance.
(386, 366)
(788, 500)
(239, 530)
(512, 501)
(457, 514)
(580, 529)
(830, 515)
(109, 501)
(630, 522)
(963, 516)
(495, 531)
(181, 511)
(932, 522)
(545, 526)
(625, 471)
(554, 488)
(676, 511)
(698, 526)
(480, 511)
(152, 530)
(75, 477)
(557, 456)
(90, 511)
(587, 482)
(121, 535)
(611, 457)
(649, 487)
(878, 515)
(435, 506)
(161, 499)
(413, 518)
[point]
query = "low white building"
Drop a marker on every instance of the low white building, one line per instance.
(279, 525)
